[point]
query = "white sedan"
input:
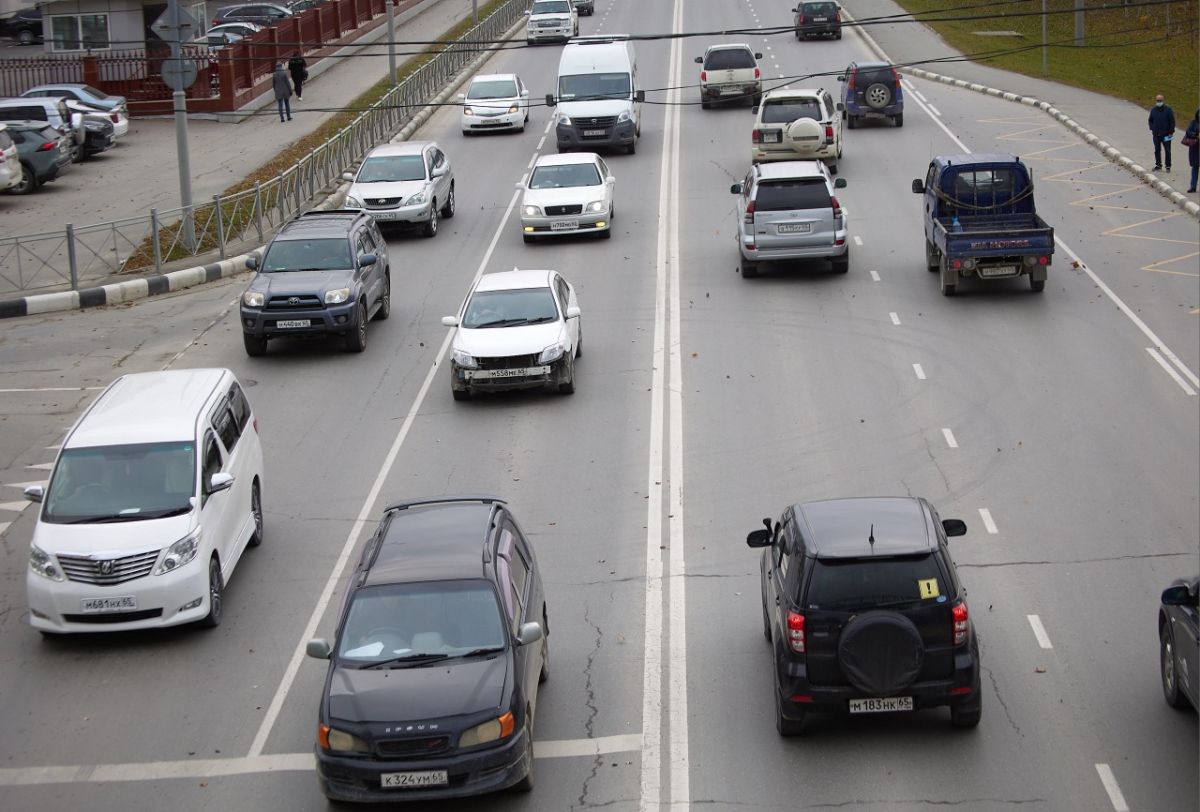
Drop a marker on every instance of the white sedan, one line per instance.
(516, 330)
(568, 193)
(495, 101)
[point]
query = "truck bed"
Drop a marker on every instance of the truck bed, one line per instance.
(994, 235)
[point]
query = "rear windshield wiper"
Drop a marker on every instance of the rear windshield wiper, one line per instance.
(408, 661)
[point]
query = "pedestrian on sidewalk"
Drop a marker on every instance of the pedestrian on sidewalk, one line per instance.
(283, 92)
(1191, 140)
(298, 68)
(1162, 130)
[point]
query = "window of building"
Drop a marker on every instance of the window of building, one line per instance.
(79, 32)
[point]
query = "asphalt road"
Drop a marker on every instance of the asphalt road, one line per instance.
(705, 403)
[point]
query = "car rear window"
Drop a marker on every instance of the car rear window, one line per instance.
(864, 77)
(785, 195)
(820, 8)
(784, 111)
(729, 59)
(851, 584)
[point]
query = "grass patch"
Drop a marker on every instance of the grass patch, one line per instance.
(1130, 53)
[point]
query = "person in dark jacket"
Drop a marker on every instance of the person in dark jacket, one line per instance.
(298, 68)
(283, 91)
(1192, 139)
(1162, 130)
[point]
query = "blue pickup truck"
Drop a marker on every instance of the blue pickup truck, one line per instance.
(980, 221)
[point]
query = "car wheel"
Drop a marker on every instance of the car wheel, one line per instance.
(431, 225)
(25, 38)
(899, 119)
(448, 209)
(632, 148)
(704, 104)
(579, 344)
(1166, 661)
(766, 622)
(257, 512)
(1037, 285)
(255, 345)
(749, 269)
(526, 782)
(27, 183)
(216, 593)
(842, 264)
(356, 339)
(606, 233)
(966, 716)
(786, 726)
(838, 35)
(932, 263)
(385, 301)
(851, 122)
(878, 96)
(568, 386)
(544, 673)
(833, 169)
(949, 286)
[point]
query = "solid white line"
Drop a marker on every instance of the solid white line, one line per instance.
(1039, 631)
(895, 318)
(54, 389)
(919, 95)
(988, 523)
(935, 111)
(571, 748)
(4, 526)
(875, 276)
(1110, 786)
(949, 435)
(24, 485)
(858, 240)
(41, 466)
(16, 507)
(1162, 362)
(917, 368)
(368, 508)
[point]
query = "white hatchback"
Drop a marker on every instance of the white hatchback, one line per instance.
(495, 101)
(568, 193)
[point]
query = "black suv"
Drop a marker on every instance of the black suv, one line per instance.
(433, 676)
(818, 20)
(325, 273)
(25, 26)
(863, 607)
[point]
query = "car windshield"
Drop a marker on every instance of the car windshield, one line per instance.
(402, 621)
(729, 59)
(510, 308)
(820, 9)
(493, 89)
(392, 168)
(786, 195)
(330, 254)
(582, 86)
(551, 7)
(788, 110)
(119, 483)
(564, 176)
(855, 583)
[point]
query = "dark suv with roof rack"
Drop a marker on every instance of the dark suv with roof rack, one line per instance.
(441, 644)
(872, 91)
(864, 610)
(818, 20)
(325, 273)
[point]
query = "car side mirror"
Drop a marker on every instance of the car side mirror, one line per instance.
(348, 176)
(699, 60)
(367, 260)
(318, 648)
(757, 55)
(252, 262)
(754, 109)
(610, 179)
(639, 95)
(449, 321)
(839, 107)
(840, 183)
(758, 538)
(918, 187)
(550, 102)
(954, 527)
(573, 312)
(34, 493)
(796, 11)
(529, 633)
(220, 481)
(1179, 596)
(842, 78)
(735, 189)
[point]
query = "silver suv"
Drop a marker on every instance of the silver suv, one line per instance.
(788, 211)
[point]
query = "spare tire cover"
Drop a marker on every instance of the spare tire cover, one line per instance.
(880, 652)
(806, 134)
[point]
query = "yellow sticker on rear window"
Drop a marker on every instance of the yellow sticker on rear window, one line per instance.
(928, 587)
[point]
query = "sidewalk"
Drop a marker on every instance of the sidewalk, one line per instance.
(141, 172)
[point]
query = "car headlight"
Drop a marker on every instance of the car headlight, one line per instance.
(254, 298)
(330, 738)
(42, 563)
(353, 202)
(564, 120)
(624, 116)
(490, 731)
(419, 197)
(595, 205)
(464, 359)
(94, 126)
(178, 554)
(337, 296)
(513, 108)
(531, 211)
(552, 353)
(467, 111)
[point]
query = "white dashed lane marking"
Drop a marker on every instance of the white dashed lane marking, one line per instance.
(935, 111)
(949, 435)
(1110, 786)
(988, 523)
(858, 240)
(920, 372)
(1039, 631)
(895, 317)
(874, 276)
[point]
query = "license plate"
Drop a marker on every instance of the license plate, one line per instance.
(729, 91)
(564, 225)
(593, 133)
(884, 705)
(517, 372)
(998, 270)
(92, 606)
(770, 137)
(820, 19)
(293, 323)
(425, 778)
(794, 228)
(384, 215)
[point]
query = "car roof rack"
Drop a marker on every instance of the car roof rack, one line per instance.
(444, 500)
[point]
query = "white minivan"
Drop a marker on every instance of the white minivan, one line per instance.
(599, 104)
(156, 492)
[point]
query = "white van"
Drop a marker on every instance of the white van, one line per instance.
(598, 102)
(156, 492)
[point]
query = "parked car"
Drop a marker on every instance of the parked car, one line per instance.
(1179, 643)
(551, 19)
(87, 94)
(441, 643)
(495, 101)
(818, 20)
(297, 6)
(788, 211)
(53, 111)
(118, 119)
(215, 41)
(99, 133)
(10, 161)
(44, 152)
(864, 611)
(729, 73)
(584, 8)
(568, 193)
(241, 29)
(25, 26)
(516, 330)
(797, 124)
(144, 521)
(266, 14)
(404, 184)
(872, 90)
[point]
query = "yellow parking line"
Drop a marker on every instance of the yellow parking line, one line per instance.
(1153, 268)
(1060, 176)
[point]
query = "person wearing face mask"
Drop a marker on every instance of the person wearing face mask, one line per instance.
(1162, 130)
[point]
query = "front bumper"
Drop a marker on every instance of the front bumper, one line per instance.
(539, 34)
(95, 143)
(336, 319)
(544, 226)
(358, 779)
(534, 376)
(576, 135)
(416, 214)
(504, 121)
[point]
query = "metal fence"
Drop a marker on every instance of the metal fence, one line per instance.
(80, 255)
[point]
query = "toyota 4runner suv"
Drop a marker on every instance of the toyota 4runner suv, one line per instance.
(872, 91)
(325, 273)
(863, 608)
(797, 124)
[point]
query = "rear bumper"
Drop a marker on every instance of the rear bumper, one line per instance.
(827, 153)
(738, 90)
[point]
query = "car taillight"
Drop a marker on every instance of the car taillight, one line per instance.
(800, 20)
(703, 76)
(896, 76)
(795, 632)
(829, 132)
(115, 118)
(1043, 260)
(756, 136)
(749, 218)
(959, 611)
(837, 17)
(850, 82)
(49, 145)
(837, 207)
(757, 73)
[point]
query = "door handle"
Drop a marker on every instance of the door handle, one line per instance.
(776, 600)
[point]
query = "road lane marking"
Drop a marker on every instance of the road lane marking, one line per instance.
(1039, 631)
(988, 523)
(934, 110)
(1162, 362)
(1110, 786)
(949, 435)
(41, 466)
(15, 507)
(289, 674)
(4, 526)
(895, 319)
(858, 240)
(874, 276)
(917, 368)
(24, 485)
(53, 389)
(541, 142)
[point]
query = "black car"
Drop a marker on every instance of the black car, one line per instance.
(864, 610)
(25, 26)
(818, 20)
(1179, 643)
(326, 273)
(267, 14)
(441, 644)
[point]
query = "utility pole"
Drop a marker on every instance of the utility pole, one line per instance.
(391, 34)
(475, 12)
(179, 75)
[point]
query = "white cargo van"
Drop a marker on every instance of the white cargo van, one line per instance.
(598, 102)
